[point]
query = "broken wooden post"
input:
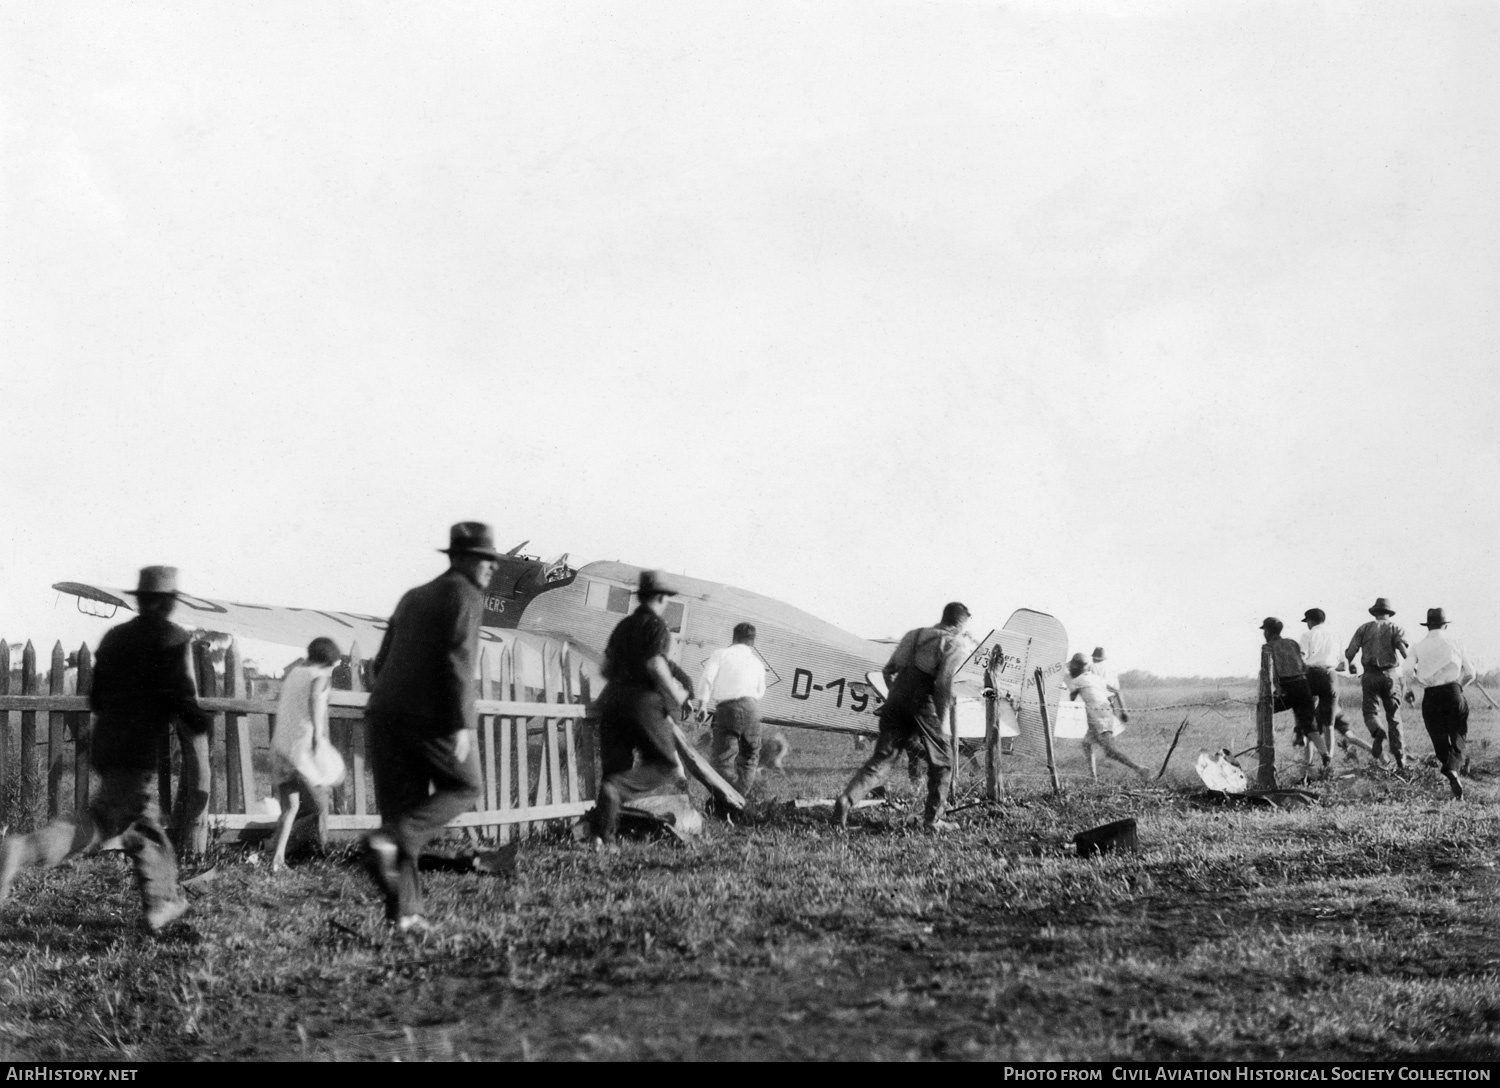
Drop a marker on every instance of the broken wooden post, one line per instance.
(992, 784)
(1265, 734)
(1041, 694)
(57, 676)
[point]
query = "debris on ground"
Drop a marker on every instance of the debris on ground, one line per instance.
(1119, 835)
(1221, 773)
(497, 862)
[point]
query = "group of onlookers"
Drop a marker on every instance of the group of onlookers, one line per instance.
(1302, 671)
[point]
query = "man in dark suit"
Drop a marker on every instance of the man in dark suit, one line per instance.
(636, 706)
(142, 684)
(422, 718)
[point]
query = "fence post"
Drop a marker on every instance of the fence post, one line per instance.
(356, 737)
(992, 783)
(189, 825)
(1265, 734)
(1041, 693)
(588, 743)
(4, 725)
(57, 676)
(238, 756)
(28, 739)
(82, 733)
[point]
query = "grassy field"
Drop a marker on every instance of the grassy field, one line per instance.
(1361, 927)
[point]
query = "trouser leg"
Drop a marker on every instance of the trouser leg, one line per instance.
(1111, 748)
(420, 786)
(44, 848)
(1390, 698)
(128, 799)
(1445, 713)
(1369, 704)
(455, 787)
(725, 749)
(938, 778)
(619, 789)
(737, 741)
(155, 864)
(888, 748)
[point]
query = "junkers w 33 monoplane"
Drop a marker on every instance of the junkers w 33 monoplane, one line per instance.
(555, 620)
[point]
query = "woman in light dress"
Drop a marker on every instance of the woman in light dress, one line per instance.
(304, 763)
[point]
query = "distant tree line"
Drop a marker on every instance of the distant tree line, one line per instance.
(1140, 678)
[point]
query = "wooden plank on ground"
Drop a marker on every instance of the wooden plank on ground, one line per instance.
(703, 771)
(237, 826)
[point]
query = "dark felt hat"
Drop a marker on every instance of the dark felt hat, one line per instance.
(471, 538)
(1435, 618)
(1382, 607)
(654, 582)
(1098, 653)
(1271, 623)
(1314, 615)
(161, 581)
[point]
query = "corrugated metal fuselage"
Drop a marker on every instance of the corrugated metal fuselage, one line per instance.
(815, 672)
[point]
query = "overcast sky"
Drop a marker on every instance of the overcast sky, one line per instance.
(1158, 317)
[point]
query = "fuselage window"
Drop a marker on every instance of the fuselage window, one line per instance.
(675, 610)
(597, 596)
(607, 598)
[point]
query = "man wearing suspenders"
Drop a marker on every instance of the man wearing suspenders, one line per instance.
(920, 679)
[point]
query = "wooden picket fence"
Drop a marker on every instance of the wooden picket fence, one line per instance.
(538, 760)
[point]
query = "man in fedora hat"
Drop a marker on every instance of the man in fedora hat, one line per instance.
(1291, 690)
(914, 716)
(1321, 656)
(642, 693)
(1441, 669)
(422, 717)
(142, 684)
(1382, 647)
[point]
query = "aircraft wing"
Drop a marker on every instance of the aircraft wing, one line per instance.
(282, 625)
(538, 660)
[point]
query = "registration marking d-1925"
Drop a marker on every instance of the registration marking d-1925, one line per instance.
(861, 698)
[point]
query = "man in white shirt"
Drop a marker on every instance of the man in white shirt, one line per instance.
(1101, 730)
(732, 684)
(1440, 666)
(1321, 656)
(1100, 668)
